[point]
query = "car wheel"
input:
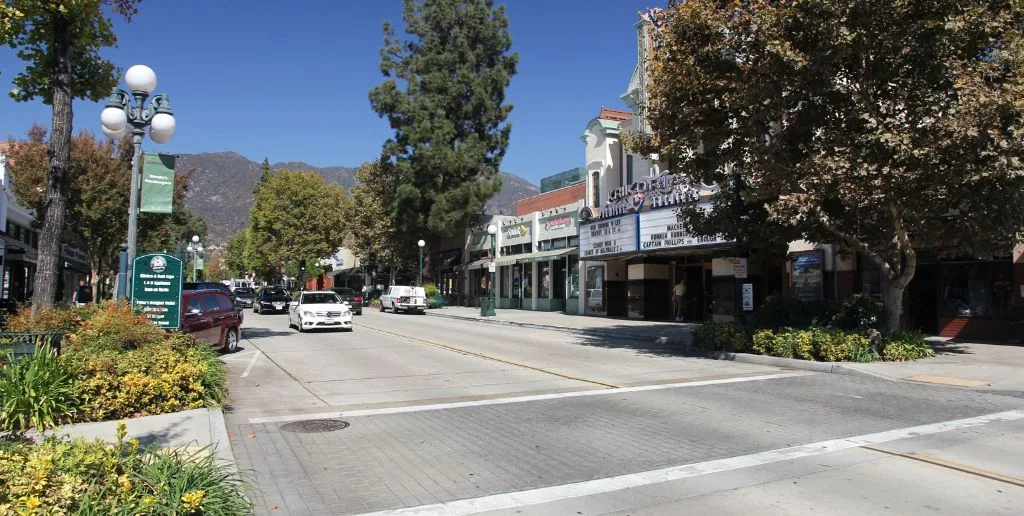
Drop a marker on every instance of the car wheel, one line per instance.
(382, 307)
(231, 340)
(299, 326)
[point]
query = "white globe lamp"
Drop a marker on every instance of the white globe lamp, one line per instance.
(492, 229)
(113, 119)
(421, 243)
(140, 78)
(113, 135)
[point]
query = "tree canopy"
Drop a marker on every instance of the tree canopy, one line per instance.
(372, 233)
(444, 96)
(296, 218)
(883, 126)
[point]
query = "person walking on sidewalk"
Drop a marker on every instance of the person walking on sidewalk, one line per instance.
(679, 299)
(82, 295)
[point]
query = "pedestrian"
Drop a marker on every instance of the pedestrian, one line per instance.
(679, 299)
(82, 295)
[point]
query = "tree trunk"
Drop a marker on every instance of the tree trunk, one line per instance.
(893, 296)
(48, 268)
(391, 277)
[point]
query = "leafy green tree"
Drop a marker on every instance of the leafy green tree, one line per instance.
(234, 254)
(97, 193)
(265, 173)
(60, 41)
(296, 218)
(372, 233)
(883, 126)
(444, 96)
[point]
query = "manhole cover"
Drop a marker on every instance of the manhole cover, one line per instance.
(315, 426)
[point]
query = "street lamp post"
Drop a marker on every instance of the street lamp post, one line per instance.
(420, 244)
(120, 113)
(487, 309)
(194, 249)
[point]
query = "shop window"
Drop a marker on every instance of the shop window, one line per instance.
(544, 273)
(808, 275)
(871, 281)
(977, 289)
(574, 241)
(573, 282)
(595, 288)
(527, 281)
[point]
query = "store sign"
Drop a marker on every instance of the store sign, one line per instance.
(664, 229)
(516, 231)
(739, 268)
(659, 191)
(748, 297)
(608, 237)
(156, 289)
(157, 183)
(558, 222)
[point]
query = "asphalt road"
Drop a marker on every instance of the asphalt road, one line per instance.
(453, 417)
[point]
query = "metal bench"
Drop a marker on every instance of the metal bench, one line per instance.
(26, 343)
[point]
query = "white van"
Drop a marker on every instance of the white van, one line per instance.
(407, 299)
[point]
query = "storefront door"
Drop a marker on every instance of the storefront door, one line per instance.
(594, 291)
(694, 308)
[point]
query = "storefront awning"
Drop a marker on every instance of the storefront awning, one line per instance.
(479, 264)
(539, 256)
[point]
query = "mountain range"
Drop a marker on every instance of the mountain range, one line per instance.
(220, 189)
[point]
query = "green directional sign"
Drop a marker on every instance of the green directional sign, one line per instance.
(156, 289)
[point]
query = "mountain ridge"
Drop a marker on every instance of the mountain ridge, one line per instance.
(221, 188)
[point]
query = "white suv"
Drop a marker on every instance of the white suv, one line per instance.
(408, 299)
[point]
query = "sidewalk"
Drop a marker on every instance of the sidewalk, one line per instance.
(195, 429)
(629, 329)
(989, 367)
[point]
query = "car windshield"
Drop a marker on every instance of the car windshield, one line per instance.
(344, 291)
(274, 292)
(243, 291)
(320, 298)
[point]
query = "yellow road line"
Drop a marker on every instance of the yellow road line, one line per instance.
(955, 466)
(488, 357)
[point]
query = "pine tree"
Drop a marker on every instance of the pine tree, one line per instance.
(444, 95)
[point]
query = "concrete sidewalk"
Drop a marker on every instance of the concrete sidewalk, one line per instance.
(629, 329)
(988, 367)
(195, 429)
(995, 368)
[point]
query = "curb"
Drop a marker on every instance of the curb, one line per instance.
(219, 436)
(791, 363)
(576, 331)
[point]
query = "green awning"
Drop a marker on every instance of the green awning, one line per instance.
(539, 256)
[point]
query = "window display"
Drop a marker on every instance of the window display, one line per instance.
(595, 289)
(544, 272)
(808, 275)
(977, 289)
(574, 278)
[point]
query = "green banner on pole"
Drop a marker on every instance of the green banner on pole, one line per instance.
(157, 183)
(156, 289)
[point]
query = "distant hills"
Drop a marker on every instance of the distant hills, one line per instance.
(221, 187)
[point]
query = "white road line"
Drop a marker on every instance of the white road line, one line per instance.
(606, 485)
(252, 362)
(519, 399)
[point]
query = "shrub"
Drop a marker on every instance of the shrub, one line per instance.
(843, 346)
(115, 327)
(153, 379)
(763, 342)
(431, 290)
(375, 303)
(61, 476)
(714, 336)
(37, 391)
(435, 301)
(906, 345)
(856, 312)
(68, 319)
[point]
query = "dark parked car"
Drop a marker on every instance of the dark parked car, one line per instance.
(272, 299)
(208, 285)
(245, 297)
(211, 317)
(353, 298)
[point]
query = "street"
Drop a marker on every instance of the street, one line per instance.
(455, 417)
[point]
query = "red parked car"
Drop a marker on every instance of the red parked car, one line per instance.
(211, 317)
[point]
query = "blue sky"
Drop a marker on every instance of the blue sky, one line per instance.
(289, 80)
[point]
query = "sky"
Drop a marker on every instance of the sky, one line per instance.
(289, 80)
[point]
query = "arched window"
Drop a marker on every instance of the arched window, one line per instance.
(595, 189)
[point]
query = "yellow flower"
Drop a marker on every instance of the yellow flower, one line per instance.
(33, 503)
(148, 500)
(193, 500)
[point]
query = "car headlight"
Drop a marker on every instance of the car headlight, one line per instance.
(308, 314)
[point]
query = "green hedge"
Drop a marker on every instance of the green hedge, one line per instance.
(816, 343)
(714, 336)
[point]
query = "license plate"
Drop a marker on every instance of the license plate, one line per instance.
(278, 305)
(329, 321)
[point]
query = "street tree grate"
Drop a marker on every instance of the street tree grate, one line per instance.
(315, 426)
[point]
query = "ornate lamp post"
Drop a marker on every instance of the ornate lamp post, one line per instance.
(420, 244)
(121, 113)
(487, 309)
(194, 249)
